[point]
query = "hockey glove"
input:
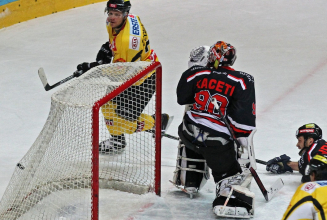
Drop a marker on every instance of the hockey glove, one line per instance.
(279, 164)
(104, 55)
(83, 67)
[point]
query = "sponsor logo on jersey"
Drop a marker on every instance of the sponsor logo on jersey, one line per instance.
(216, 72)
(112, 45)
(134, 42)
(309, 186)
(250, 78)
(153, 56)
(140, 126)
(135, 28)
(301, 162)
(109, 122)
(322, 183)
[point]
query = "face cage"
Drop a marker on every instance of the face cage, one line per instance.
(197, 54)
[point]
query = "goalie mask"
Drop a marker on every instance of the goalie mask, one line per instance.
(199, 56)
(221, 54)
(309, 130)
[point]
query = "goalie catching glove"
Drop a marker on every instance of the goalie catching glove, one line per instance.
(279, 164)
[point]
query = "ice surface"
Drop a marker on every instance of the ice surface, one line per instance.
(281, 43)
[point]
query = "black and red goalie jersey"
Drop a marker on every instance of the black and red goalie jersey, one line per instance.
(234, 92)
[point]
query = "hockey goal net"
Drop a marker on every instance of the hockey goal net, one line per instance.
(63, 175)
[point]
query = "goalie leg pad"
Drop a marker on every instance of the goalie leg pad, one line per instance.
(191, 171)
(231, 212)
(234, 199)
(224, 186)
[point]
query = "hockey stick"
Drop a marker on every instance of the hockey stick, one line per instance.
(214, 102)
(45, 83)
(277, 185)
(279, 182)
(261, 162)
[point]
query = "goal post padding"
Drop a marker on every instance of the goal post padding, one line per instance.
(62, 174)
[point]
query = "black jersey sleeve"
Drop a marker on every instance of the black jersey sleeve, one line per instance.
(242, 110)
(185, 87)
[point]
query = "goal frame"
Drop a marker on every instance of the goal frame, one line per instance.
(155, 66)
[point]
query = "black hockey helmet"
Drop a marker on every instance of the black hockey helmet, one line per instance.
(118, 5)
(318, 165)
(221, 54)
(309, 130)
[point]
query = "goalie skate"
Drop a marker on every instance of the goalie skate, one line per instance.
(191, 191)
(238, 204)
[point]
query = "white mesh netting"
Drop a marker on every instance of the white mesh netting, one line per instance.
(54, 178)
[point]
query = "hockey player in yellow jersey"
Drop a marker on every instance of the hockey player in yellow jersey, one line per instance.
(128, 42)
(310, 199)
(128, 39)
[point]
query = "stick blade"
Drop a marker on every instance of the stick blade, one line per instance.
(276, 186)
(43, 79)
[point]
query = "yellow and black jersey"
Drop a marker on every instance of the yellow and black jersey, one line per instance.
(308, 202)
(131, 43)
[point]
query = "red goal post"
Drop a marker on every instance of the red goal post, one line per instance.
(63, 175)
(95, 160)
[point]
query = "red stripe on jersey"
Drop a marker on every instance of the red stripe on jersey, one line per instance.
(208, 118)
(313, 146)
(228, 68)
(238, 130)
(205, 72)
(240, 80)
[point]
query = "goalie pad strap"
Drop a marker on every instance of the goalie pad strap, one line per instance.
(190, 169)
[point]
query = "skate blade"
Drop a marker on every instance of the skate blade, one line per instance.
(191, 194)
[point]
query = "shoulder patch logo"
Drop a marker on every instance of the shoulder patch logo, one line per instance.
(309, 186)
